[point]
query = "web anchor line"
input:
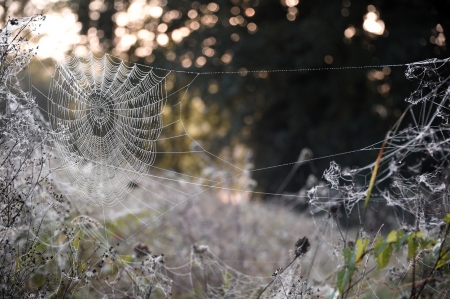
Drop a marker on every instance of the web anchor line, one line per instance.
(304, 69)
(244, 70)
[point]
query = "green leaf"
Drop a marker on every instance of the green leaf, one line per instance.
(360, 249)
(401, 238)
(344, 276)
(347, 255)
(379, 245)
(443, 260)
(385, 256)
(384, 249)
(392, 237)
(447, 218)
(419, 234)
(346, 273)
(427, 244)
(413, 243)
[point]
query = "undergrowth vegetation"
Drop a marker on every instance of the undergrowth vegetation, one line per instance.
(49, 249)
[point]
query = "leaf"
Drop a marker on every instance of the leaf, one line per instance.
(447, 218)
(443, 260)
(344, 276)
(413, 243)
(348, 260)
(385, 256)
(392, 237)
(427, 244)
(401, 238)
(379, 245)
(345, 273)
(383, 251)
(441, 263)
(360, 249)
(419, 234)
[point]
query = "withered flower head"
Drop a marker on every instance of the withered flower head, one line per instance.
(141, 249)
(302, 246)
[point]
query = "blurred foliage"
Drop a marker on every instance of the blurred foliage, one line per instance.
(276, 114)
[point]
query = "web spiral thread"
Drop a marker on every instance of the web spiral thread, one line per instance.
(108, 117)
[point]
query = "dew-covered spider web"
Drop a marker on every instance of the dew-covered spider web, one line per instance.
(108, 120)
(412, 155)
(108, 117)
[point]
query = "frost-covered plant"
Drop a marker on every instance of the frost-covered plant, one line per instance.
(27, 200)
(409, 182)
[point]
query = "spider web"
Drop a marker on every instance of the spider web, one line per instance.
(411, 156)
(107, 116)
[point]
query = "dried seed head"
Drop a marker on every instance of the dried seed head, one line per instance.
(141, 249)
(302, 246)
